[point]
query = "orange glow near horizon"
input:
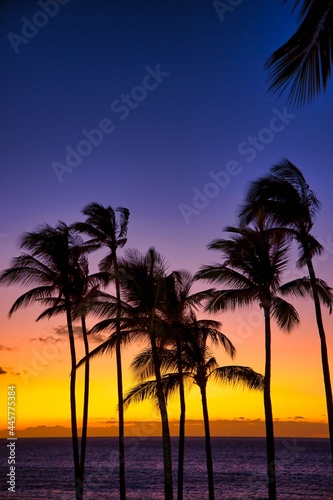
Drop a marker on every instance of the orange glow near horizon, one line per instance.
(39, 367)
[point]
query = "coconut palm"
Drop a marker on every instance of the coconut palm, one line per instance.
(84, 298)
(198, 366)
(254, 260)
(178, 316)
(105, 230)
(303, 63)
(143, 284)
(53, 266)
(284, 198)
(174, 312)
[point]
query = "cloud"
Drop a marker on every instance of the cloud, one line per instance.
(10, 370)
(62, 331)
(5, 348)
(2, 372)
(94, 338)
(49, 339)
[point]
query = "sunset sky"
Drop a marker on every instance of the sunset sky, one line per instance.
(179, 94)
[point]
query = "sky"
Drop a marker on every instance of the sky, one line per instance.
(161, 107)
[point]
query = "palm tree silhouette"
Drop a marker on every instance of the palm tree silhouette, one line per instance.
(303, 63)
(143, 285)
(254, 262)
(84, 299)
(105, 230)
(285, 198)
(178, 316)
(198, 366)
(54, 265)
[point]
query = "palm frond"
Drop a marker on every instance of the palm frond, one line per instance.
(229, 300)
(238, 376)
(147, 390)
(27, 298)
(222, 274)
(303, 63)
(107, 347)
(285, 314)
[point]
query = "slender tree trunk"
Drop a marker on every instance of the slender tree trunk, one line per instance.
(121, 443)
(270, 445)
(324, 355)
(181, 444)
(85, 397)
(75, 441)
(208, 444)
(167, 458)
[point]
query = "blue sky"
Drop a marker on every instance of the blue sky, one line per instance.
(210, 104)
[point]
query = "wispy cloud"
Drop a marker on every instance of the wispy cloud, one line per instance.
(5, 348)
(49, 339)
(2, 372)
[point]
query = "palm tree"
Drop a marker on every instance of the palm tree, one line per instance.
(174, 311)
(53, 265)
(303, 63)
(285, 198)
(105, 230)
(254, 262)
(143, 292)
(178, 315)
(84, 299)
(198, 366)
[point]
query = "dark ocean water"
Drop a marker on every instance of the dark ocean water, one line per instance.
(44, 469)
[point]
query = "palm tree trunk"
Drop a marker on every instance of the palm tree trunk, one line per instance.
(270, 445)
(324, 355)
(85, 398)
(208, 443)
(121, 443)
(75, 441)
(167, 458)
(181, 445)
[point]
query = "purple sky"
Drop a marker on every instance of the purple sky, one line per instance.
(206, 110)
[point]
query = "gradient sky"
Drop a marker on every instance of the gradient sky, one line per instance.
(205, 115)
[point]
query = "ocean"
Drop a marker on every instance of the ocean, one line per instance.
(44, 469)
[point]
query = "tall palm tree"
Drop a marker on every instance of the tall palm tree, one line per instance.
(198, 366)
(174, 311)
(304, 62)
(178, 315)
(53, 266)
(285, 198)
(143, 290)
(85, 295)
(254, 260)
(105, 230)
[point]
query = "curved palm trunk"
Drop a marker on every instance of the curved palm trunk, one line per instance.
(181, 445)
(324, 355)
(122, 477)
(208, 443)
(85, 399)
(167, 458)
(75, 441)
(270, 445)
